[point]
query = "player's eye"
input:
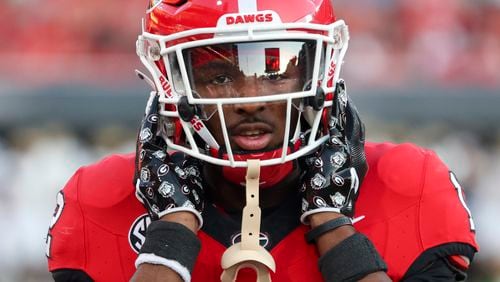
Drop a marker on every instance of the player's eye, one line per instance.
(221, 79)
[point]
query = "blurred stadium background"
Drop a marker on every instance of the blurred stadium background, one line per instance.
(422, 71)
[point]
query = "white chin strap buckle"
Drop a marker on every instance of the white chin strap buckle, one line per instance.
(248, 252)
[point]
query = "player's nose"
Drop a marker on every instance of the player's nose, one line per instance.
(249, 108)
(251, 88)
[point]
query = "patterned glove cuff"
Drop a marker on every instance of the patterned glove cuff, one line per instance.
(304, 217)
(187, 209)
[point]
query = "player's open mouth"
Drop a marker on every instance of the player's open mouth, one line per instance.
(252, 137)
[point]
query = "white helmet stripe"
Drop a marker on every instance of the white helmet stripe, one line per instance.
(247, 6)
(203, 132)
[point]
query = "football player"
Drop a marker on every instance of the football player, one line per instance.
(251, 164)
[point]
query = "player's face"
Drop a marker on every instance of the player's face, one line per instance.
(248, 70)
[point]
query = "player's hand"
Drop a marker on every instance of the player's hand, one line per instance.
(165, 183)
(333, 174)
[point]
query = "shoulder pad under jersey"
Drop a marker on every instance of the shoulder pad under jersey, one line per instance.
(412, 202)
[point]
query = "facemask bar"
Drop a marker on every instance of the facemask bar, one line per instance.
(148, 46)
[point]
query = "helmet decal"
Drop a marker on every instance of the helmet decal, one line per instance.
(239, 19)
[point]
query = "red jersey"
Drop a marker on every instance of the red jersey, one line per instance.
(409, 202)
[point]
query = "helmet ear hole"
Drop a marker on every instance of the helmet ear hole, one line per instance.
(317, 101)
(186, 111)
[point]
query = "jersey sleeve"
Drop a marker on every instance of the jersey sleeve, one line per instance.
(443, 214)
(66, 236)
(437, 264)
(70, 275)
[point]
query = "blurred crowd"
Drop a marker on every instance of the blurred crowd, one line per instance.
(34, 165)
(89, 42)
(394, 42)
(448, 42)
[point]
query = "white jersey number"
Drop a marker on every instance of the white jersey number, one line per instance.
(460, 193)
(55, 217)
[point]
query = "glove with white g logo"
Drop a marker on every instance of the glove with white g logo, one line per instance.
(165, 183)
(333, 174)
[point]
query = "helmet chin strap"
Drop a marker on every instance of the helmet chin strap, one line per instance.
(248, 252)
(269, 175)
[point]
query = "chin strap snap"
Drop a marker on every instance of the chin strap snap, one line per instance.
(248, 252)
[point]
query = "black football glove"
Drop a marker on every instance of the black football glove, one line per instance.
(333, 174)
(165, 183)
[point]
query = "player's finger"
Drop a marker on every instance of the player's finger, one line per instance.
(355, 130)
(149, 124)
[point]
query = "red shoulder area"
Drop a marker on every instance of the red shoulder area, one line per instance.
(410, 202)
(398, 166)
(106, 193)
(444, 214)
(107, 182)
(97, 215)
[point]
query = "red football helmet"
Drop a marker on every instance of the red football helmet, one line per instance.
(267, 42)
